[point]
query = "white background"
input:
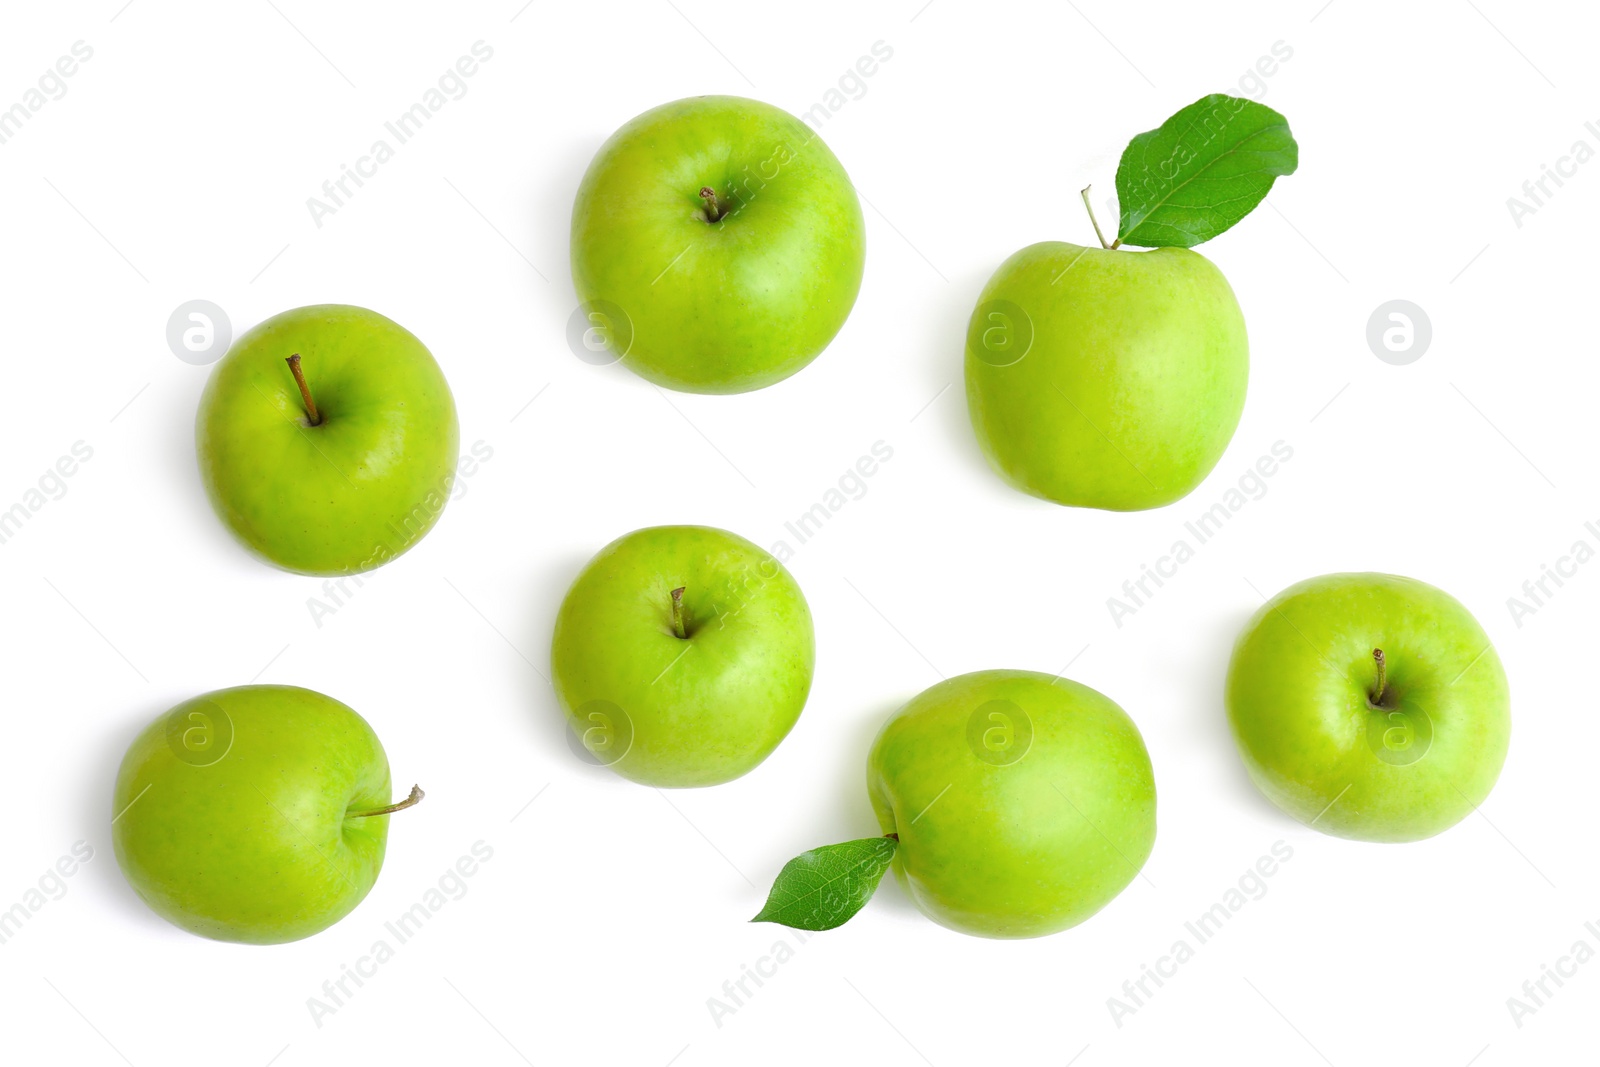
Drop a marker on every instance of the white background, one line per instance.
(177, 166)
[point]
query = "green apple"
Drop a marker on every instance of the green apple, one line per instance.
(1369, 706)
(682, 655)
(717, 244)
(1104, 378)
(256, 814)
(1023, 802)
(338, 461)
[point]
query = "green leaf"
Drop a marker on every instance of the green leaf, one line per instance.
(1203, 170)
(820, 889)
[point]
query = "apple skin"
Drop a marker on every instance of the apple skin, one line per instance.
(354, 491)
(1133, 382)
(699, 710)
(1299, 699)
(1024, 848)
(734, 305)
(249, 841)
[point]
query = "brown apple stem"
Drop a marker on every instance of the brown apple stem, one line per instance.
(1383, 682)
(1094, 221)
(305, 390)
(892, 837)
(713, 209)
(411, 801)
(677, 613)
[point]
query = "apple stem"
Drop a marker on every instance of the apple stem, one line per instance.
(892, 837)
(1383, 682)
(411, 801)
(305, 390)
(677, 613)
(713, 209)
(1094, 221)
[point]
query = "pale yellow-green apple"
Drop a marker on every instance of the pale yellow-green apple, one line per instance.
(328, 440)
(1013, 804)
(1106, 378)
(682, 655)
(1369, 706)
(717, 244)
(256, 814)
(1023, 802)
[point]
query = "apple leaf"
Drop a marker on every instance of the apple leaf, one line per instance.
(820, 889)
(1201, 171)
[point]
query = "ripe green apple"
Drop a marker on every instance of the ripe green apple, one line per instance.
(338, 462)
(255, 814)
(1369, 706)
(1023, 802)
(1106, 378)
(718, 244)
(682, 655)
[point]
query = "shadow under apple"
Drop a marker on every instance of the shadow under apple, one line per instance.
(1211, 714)
(555, 198)
(545, 722)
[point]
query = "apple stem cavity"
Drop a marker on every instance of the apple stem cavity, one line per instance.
(1383, 680)
(305, 390)
(1094, 221)
(713, 211)
(678, 627)
(409, 802)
